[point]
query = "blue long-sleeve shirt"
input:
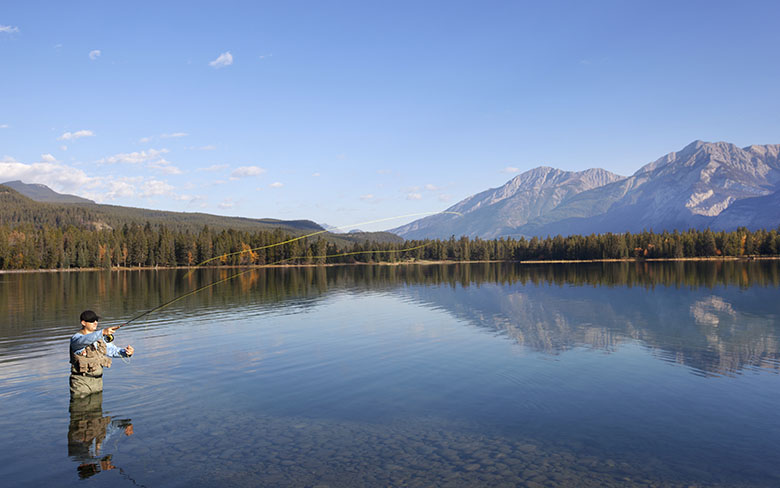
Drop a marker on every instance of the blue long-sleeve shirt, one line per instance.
(79, 341)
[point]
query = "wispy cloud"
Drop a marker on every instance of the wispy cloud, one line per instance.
(4, 126)
(246, 171)
(367, 197)
(72, 136)
(153, 158)
(276, 184)
(316, 175)
(444, 197)
(94, 54)
(226, 204)
(213, 167)
(413, 196)
(193, 200)
(209, 147)
(174, 135)
(224, 59)
(137, 157)
(165, 166)
(48, 158)
(431, 187)
(8, 29)
(510, 169)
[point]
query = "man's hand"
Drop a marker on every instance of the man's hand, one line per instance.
(110, 330)
(129, 350)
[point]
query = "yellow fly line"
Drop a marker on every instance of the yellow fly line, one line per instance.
(204, 287)
(222, 256)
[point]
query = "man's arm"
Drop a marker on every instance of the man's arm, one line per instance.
(80, 341)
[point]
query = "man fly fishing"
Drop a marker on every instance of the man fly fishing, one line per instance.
(91, 351)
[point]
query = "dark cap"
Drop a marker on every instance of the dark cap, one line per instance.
(89, 316)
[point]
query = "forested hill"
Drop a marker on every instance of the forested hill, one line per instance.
(17, 209)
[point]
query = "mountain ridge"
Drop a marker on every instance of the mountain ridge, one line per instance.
(692, 187)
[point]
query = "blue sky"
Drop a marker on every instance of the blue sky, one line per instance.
(346, 112)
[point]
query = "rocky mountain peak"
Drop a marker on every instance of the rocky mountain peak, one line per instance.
(687, 188)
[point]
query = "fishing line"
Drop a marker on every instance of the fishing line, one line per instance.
(314, 234)
(204, 287)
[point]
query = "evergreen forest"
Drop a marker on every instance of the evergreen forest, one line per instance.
(29, 246)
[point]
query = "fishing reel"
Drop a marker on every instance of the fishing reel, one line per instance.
(110, 337)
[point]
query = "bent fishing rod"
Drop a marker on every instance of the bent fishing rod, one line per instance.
(110, 337)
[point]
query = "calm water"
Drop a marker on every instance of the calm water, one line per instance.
(624, 374)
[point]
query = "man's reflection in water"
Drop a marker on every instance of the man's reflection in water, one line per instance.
(88, 432)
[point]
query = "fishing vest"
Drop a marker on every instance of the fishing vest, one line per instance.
(93, 362)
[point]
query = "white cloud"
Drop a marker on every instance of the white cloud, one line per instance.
(57, 176)
(224, 59)
(175, 135)
(384, 171)
(213, 167)
(263, 56)
(510, 169)
(153, 188)
(118, 188)
(64, 147)
(366, 197)
(245, 171)
(316, 175)
(144, 140)
(48, 158)
(8, 29)
(430, 187)
(413, 196)
(72, 136)
(209, 147)
(276, 184)
(94, 54)
(4, 126)
(137, 157)
(67, 179)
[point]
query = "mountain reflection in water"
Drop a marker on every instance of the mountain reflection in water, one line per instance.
(711, 328)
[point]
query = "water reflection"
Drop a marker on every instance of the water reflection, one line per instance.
(712, 331)
(90, 433)
(694, 314)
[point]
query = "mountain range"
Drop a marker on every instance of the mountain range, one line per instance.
(705, 185)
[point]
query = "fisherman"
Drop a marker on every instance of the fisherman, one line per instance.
(91, 351)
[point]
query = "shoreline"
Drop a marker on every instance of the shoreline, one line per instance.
(404, 263)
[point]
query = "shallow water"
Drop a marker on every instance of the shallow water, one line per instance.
(621, 374)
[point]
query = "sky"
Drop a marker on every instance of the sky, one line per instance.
(347, 112)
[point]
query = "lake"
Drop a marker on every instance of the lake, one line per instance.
(605, 374)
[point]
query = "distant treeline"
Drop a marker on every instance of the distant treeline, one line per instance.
(50, 247)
